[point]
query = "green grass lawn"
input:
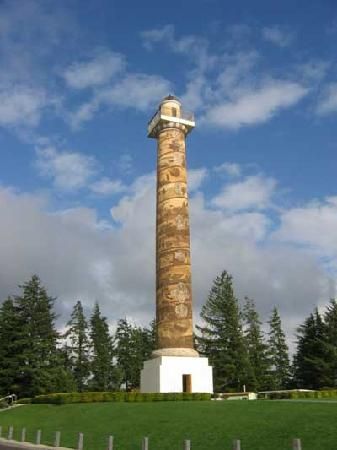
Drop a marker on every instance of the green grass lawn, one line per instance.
(261, 425)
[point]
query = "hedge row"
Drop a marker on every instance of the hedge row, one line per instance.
(24, 401)
(92, 397)
(300, 395)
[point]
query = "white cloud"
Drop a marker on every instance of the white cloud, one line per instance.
(106, 186)
(203, 89)
(84, 113)
(255, 106)
(313, 70)
(328, 101)
(195, 91)
(230, 169)
(64, 249)
(156, 35)
(69, 170)
(141, 192)
(77, 258)
(32, 38)
(236, 71)
(31, 33)
(254, 192)
(139, 91)
(135, 90)
(196, 177)
(95, 71)
(21, 105)
(125, 163)
(166, 35)
(239, 32)
(228, 88)
(196, 51)
(278, 35)
(193, 47)
(313, 225)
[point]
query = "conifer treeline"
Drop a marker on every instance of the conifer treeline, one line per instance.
(242, 355)
(35, 358)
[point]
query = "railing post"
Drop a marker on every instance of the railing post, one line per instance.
(10, 432)
(23, 435)
(110, 443)
(145, 443)
(38, 437)
(187, 444)
(57, 441)
(80, 441)
(236, 444)
(297, 445)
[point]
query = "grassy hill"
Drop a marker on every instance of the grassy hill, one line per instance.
(261, 425)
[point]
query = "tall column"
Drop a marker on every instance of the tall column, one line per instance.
(175, 366)
(173, 264)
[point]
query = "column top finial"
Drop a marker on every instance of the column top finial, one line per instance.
(171, 97)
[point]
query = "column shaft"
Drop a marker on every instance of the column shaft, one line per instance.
(173, 267)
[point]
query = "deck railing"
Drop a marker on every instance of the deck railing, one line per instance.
(165, 111)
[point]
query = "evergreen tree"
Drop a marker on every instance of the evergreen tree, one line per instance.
(330, 320)
(221, 339)
(78, 347)
(134, 345)
(10, 348)
(39, 358)
(124, 352)
(149, 339)
(102, 352)
(257, 349)
(278, 353)
(311, 362)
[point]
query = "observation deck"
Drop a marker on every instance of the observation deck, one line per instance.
(166, 114)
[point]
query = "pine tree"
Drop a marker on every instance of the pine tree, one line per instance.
(10, 348)
(78, 347)
(134, 345)
(39, 358)
(141, 345)
(330, 320)
(124, 352)
(102, 352)
(257, 349)
(221, 339)
(311, 362)
(149, 338)
(278, 353)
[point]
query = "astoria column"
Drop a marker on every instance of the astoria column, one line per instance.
(169, 126)
(175, 365)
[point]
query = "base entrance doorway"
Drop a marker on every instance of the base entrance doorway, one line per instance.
(187, 383)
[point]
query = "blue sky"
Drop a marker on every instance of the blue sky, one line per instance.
(78, 83)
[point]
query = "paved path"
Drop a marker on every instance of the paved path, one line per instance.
(13, 445)
(11, 407)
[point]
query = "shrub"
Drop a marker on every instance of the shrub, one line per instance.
(294, 395)
(328, 393)
(25, 401)
(331, 393)
(91, 397)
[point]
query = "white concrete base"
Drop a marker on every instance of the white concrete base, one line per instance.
(165, 374)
